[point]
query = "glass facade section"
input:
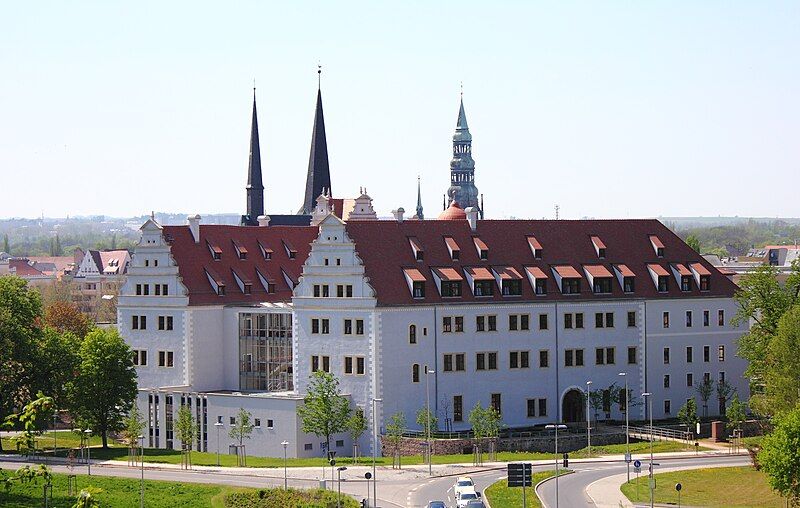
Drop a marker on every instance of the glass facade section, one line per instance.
(265, 352)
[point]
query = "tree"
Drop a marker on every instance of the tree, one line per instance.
(105, 386)
(6, 246)
(705, 389)
(324, 411)
(595, 402)
(485, 425)
(687, 415)
(762, 300)
(66, 317)
(422, 419)
(57, 361)
(395, 428)
(241, 430)
(780, 456)
(133, 425)
(724, 390)
(356, 425)
(185, 427)
(20, 310)
(33, 418)
(780, 381)
(735, 413)
(693, 242)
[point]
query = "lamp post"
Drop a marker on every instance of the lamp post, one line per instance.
(374, 451)
(648, 397)
(55, 448)
(141, 489)
(88, 433)
(588, 418)
(556, 427)
(428, 425)
(218, 425)
(285, 478)
(627, 428)
(339, 485)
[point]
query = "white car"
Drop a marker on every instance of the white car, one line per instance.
(463, 483)
(467, 496)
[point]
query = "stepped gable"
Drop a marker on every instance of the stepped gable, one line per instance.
(196, 263)
(387, 249)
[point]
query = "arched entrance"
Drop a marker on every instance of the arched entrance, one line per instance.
(572, 409)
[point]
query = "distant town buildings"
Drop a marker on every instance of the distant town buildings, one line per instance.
(779, 256)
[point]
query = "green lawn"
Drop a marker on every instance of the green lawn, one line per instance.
(66, 440)
(124, 493)
(499, 494)
(714, 487)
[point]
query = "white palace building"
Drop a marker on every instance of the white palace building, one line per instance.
(519, 314)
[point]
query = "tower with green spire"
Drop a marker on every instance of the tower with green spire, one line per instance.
(462, 167)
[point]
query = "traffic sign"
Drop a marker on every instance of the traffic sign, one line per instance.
(519, 474)
(628, 458)
(637, 463)
(678, 487)
(637, 469)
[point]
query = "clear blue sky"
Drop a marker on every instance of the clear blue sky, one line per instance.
(609, 109)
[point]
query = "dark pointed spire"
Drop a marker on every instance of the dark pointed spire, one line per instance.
(255, 186)
(319, 176)
(420, 216)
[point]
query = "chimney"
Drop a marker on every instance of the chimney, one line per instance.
(398, 214)
(263, 220)
(194, 227)
(472, 217)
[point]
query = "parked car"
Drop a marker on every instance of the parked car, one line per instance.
(462, 483)
(476, 503)
(437, 504)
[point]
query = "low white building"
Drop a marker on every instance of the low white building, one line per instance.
(518, 314)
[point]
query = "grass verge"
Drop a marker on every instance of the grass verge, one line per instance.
(716, 487)
(500, 494)
(124, 493)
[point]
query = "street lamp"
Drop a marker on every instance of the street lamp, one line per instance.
(285, 480)
(374, 450)
(141, 490)
(588, 419)
(88, 433)
(556, 427)
(55, 448)
(339, 486)
(648, 397)
(428, 425)
(218, 425)
(627, 428)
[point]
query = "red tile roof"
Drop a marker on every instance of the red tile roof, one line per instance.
(414, 274)
(536, 272)
(700, 269)
(451, 243)
(22, 268)
(194, 258)
(567, 272)
(507, 272)
(479, 273)
(656, 242)
(383, 244)
(534, 243)
(624, 270)
(598, 242)
(658, 269)
(480, 244)
(453, 212)
(448, 274)
(681, 269)
(597, 270)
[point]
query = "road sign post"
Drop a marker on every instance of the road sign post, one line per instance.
(678, 488)
(519, 475)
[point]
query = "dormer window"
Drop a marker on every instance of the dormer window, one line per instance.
(626, 278)
(628, 284)
(660, 277)
(449, 281)
(599, 277)
(483, 249)
(267, 283)
(245, 286)
(535, 246)
(686, 283)
(658, 246)
(265, 251)
(416, 282)
(416, 247)
(663, 283)
(452, 246)
(510, 280)
(290, 251)
(216, 252)
(568, 278)
(683, 276)
(216, 282)
(538, 280)
(701, 276)
(482, 281)
(599, 247)
(241, 251)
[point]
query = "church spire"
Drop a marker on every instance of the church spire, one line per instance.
(420, 216)
(319, 176)
(462, 167)
(255, 186)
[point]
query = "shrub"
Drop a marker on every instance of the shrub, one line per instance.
(292, 498)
